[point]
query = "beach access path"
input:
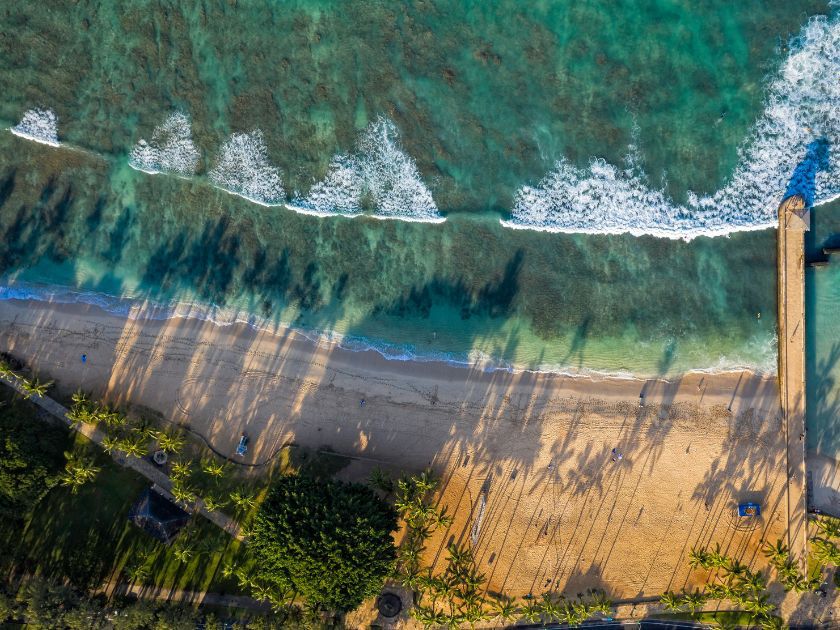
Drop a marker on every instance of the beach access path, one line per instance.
(793, 223)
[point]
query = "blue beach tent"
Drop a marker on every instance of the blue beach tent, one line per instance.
(749, 509)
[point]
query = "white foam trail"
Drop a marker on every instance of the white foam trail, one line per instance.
(802, 107)
(243, 169)
(171, 149)
(38, 125)
(380, 171)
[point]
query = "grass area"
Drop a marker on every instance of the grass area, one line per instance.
(726, 619)
(88, 539)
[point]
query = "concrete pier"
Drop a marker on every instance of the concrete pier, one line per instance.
(794, 221)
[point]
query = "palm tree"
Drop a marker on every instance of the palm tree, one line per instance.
(825, 551)
(719, 591)
(828, 526)
(442, 519)
(144, 429)
(425, 482)
(182, 492)
(213, 468)
(110, 444)
(459, 556)
(229, 569)
(212, 503)
(381, 480)
(138, 572)
(756, 582)
(778, 553)
(474, 612)
(183, 553)
(671, 601)
(34, 387)
(242, 501)
(132, 446)
(428, 616)
(171, 441)
(716, 558)
(409, 576)
(181, 470)
(6, 371)
(693, 601)
(245, 580)
(77, 416)
(505, 608)
(601, 603)
(796, 582)
(260, 592)
(759, 606)
(771, 623)
(734, 570)
(532, 610)
(111, 417)
(78, 471)
(409, 553)
(549, 609)
(699, 557)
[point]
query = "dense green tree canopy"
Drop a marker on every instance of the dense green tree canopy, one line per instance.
(329, 541)
(31, 457)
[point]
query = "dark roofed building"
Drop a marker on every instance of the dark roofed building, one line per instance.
(158, 516)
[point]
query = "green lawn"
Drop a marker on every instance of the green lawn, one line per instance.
(87, 538)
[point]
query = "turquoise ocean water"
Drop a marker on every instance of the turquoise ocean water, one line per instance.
(606, 132)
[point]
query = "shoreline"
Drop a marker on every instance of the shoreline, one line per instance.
(140, 309)
(733, 390)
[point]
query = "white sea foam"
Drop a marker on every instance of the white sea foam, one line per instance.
(379, 170)
(243, 169)
(792, 148)
(38, 125)
(171, 149)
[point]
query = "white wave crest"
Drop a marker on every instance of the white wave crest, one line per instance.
(38, 125)
(790, 149)
(379, 172)
(171, 149)
(243, 169)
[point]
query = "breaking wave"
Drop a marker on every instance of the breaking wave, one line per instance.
(786, 153)
(378, 175)
(38, 125)
(243, 169)
(171, 149)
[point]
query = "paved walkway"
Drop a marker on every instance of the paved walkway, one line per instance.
(162, 482)
(793, 223)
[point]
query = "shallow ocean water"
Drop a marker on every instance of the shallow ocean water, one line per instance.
(822, 328)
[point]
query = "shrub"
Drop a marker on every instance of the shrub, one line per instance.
(327, 540)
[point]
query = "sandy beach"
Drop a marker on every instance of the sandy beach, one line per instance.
(561, 510)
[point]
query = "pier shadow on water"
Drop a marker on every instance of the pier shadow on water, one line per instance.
(803, 180)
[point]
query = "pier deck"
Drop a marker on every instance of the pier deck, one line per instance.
(793, 223)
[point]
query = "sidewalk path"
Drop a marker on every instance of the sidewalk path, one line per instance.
(150, 471)
(793, 223)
